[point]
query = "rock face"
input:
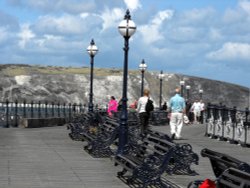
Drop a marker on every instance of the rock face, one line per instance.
(71, 85)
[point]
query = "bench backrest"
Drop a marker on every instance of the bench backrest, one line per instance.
(173, 156)
(159, 134)
(109, 125)
(166, 154)
(220, 162)
(234, 178)
(160, 145)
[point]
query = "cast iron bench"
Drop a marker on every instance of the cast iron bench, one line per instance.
(83, 122)
(220, 163)
(147, 161)
(99, 142)
(159, 134)
(79, 124)
(158, 117)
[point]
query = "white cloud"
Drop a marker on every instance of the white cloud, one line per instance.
(132, 4)
(111, 17)
(193, 26)
(195, 16)
(67, 6)
(52, 44)
(167, 39)
(65, 24)
(239, 14)
(25, 35)
(161, 16)
(215, 34)
(245, 5)
(151, 32)
(84, 15)
(46, 39)
(75, 6)
(232, 16)
(186, 34)
(231, 51)
(3, 34)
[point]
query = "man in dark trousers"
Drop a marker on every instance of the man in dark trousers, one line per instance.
(141, 109)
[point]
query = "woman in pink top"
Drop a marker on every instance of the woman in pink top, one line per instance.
(112, 106)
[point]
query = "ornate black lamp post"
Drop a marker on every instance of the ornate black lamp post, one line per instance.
(142, 67)
(188, 87)
(161, 75)
(126, 28)
(201, 92)
(92, 50)
(182, 83)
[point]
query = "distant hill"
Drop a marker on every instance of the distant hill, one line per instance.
(71, 84)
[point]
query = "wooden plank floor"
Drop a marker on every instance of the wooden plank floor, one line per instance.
(48, 158)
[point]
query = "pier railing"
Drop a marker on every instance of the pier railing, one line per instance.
(228, 124)
(12, 111)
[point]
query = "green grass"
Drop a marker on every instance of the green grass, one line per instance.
(16, 70)
(62, 70)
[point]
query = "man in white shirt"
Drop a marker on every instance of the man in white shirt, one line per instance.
(196, 109)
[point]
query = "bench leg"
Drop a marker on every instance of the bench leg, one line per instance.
(157, 182)
(184, 168)
(121, 173)
(192, 172)
(87, 147)
(130, 180)
(164, 185)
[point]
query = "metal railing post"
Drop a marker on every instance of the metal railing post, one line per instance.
(52, 110)
(58, 109)
(46, 109)
(7, 113)
(24, 108)
(32, 110)
(16, 113)
(39, 109)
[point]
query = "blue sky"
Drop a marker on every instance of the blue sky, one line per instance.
(204, 38)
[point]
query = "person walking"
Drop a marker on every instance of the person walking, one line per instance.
(202, 105)
(196, 109)
(141, 109)
(164, 106)
(189, 113)
(112, 106)
(177, 109)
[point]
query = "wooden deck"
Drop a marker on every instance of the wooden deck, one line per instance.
(48, 158)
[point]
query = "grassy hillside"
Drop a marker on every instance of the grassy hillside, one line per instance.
(72, 84)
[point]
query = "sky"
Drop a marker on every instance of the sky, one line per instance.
(204, 38)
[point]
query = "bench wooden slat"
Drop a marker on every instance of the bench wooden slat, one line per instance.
(220, 162)
(234, 178)
(229, 172)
